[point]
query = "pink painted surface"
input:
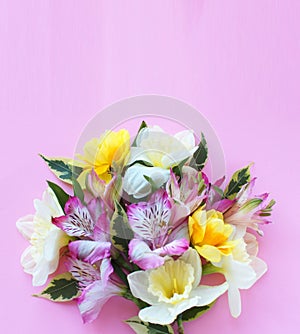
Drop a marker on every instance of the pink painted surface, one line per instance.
(237, 62)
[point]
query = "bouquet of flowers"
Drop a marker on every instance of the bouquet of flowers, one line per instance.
(139, 218)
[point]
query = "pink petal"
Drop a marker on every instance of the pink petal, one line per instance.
(83, 272)
(90, 251)
(176, 247)
(141, 254)
(93, 298)
(77, 222)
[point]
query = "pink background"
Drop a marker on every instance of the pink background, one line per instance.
(237, 62)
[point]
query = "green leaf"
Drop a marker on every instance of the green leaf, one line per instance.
(60, 194)
(201, 154)
(142, 126)
(195, 312)
(120, 230)
(177, 170)
(238, 180)
(141, 327)
(62, 288)
(78, 192)
(62, 168)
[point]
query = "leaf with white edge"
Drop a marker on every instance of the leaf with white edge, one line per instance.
(141, 327)
(201, 154)
(238, 180)
(62, 168)
(62, 288)
(195, 312)
(121, 233)
(60, 194)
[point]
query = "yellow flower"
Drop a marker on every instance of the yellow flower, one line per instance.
(210, 235)
(110, 151)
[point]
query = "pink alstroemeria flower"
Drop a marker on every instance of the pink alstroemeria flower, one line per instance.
(152, 227)
(249, 211)
(188, 194)
(107, 192)
(90, 221)
(95, 285)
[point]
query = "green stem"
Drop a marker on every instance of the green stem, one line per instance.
(180, 324)
(210, 269)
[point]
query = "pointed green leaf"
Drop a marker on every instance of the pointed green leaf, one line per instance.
(142, 126)
(60, 194)
(195, 312)
(141, 327)
(78, 192)
(62, 168)
(120, 230)
(201, 154)
(238, 180)
(62, 288)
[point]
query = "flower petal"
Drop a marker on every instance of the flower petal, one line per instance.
(93, 298)
(176, 247)
(25, 226)
(149, 220)
(157, 314)
(141, 254)
(77, 222)
(90, 251)
(139, 283)
(83, 272)
(207, 294)
(135, 183)
(192, 257)
(234, 301)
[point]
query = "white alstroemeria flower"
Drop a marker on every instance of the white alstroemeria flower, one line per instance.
(240, 275)
(172, 288)
(162, 151)
(41, 258)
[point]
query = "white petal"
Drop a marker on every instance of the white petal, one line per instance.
(187, 138)
(138, 283)
(157, 314)
(234, 301)
(192, 257)
(138, 154)
(28, 261)
(25, 226)
(135, 184)
(259, 266)
(207, 294)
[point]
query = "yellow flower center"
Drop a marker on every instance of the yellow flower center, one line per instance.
(172, 282)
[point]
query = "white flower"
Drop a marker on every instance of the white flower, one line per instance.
(162, 151)
(172, 288)
(41, 258)
(240, 275)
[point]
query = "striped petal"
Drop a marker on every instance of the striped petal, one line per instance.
(150, 220)
(77, 222)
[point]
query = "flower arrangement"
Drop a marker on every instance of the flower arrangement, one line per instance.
(140, 219)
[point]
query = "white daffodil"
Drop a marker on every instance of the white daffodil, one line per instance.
(162, 152)
(41, 258)
(172, 288)
(241, 272)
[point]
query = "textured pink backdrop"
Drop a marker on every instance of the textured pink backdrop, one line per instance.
(237, 62)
